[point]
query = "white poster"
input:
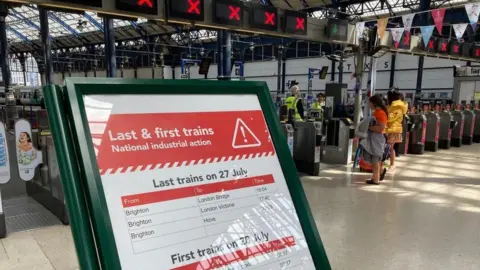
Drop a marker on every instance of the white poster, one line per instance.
(4, 158)
(194, 183)
(360, 26)
(28, 157)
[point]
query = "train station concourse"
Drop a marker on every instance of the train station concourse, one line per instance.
(239, 134)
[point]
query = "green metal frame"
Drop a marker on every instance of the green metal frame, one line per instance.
(89, 180)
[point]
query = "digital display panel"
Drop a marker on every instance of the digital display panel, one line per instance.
(476, 51)
(466, 49)
(442, 46)
(405, 41)
(91, 3)
(228, 12)
(431, 45)
(295, 22)
(186, 9)
(138, 6)
(263, 17)
(337, 29)
(455, 48)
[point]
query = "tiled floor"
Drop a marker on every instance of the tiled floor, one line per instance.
(426, 215)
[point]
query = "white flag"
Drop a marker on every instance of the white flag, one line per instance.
(407, 21)
(459, 29)
(359, 28)
(472, 11)
(397, 34)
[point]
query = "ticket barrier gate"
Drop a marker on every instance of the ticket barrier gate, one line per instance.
(457, 132)
(407, 129)
(447, 124)
(307, 146)
(46, 187)
(339, 143)
(433, 131)
(288, 131)
(417, 138)
(476, 131)
(469, 125)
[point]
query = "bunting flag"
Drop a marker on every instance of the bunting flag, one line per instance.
(381, 26)
(438, 16)
(407, 21)
(396, 35)
(426, 33)
(473, 10)
(459, 29)
(359, 28)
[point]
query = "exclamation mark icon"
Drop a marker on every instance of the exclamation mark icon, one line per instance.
(243, 133)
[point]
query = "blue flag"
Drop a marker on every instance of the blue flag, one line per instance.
(426, 33)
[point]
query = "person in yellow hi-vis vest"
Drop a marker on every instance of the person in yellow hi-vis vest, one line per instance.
(318, 104)
(294, 102)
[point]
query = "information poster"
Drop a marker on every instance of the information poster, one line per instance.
(28, 157)
(194, 183)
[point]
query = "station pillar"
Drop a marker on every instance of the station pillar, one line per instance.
(5, 61)
(46, 45)
(227, 54)
(220, 54)
(110, 54)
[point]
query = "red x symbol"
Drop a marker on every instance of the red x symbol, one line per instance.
(234, 13)
(144, 2)
(456, 48)
(193, 6)
(430, 44)
(477, 52)
(406, 40)
(444, 46)
(269, 18)
(300, 24)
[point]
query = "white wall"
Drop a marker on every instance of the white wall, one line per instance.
(437, 73)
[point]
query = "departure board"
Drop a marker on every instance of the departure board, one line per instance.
(138, 6)
(263, 17)
(228, 12)
(455, 48)
(337, 29)
(295, 22)
(186, 9)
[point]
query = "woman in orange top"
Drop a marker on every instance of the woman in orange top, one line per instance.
(381, 116)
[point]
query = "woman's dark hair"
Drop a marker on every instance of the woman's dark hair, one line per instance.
(393, 95)
(377, 102)
(28, 137)
(320, 95)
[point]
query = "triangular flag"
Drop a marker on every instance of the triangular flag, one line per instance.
(459, 29)
(396, 35)
(381, 26)
(426, 33)
(360, 26)
(407, 21)
(438, 16)
(473, 10)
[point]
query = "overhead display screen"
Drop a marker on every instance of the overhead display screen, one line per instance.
(337, 29)
(443, 46)
(228, 12)
(455, 48)
(186, 9)
(138, 6)
(295, 22)
(263, 17)
(91, 3)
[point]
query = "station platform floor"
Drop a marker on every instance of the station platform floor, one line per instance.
(425, 215)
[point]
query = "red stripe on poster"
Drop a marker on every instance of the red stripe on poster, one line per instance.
(199, 190)
(240, 255)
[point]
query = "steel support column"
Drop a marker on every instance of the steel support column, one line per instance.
(392, 70)
(279, 67)
(359, 68)
(333, 72)
(46, 45)
(220, 54)
(284, 72)
(6, 76)
(424, 6)
(110, 54)
(227, 54)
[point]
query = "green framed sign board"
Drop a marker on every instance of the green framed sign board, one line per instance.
(179, 174)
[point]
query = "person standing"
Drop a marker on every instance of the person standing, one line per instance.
(294, 102)
(374, 145)
(396, 111)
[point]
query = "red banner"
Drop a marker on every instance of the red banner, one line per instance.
(438, 16)
(137, 142)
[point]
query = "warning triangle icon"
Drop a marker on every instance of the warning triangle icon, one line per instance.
(243, 137)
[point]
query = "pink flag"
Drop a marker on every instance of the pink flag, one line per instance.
(438, 16)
